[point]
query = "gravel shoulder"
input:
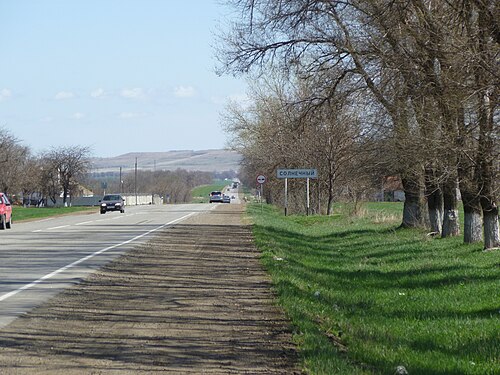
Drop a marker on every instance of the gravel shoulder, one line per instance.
(193, 299)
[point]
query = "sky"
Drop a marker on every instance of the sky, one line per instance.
(118, 76)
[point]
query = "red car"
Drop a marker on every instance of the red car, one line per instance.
(5, 212)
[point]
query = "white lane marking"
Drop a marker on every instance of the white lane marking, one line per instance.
(62, 269)
(85, 222)
(36, 231)
(41, 221)
(59, 227)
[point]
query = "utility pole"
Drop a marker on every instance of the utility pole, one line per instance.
(135, 184)
(121, 182)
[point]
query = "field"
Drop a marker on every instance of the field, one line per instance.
(365, 297)
(200, 193)
(30, 213)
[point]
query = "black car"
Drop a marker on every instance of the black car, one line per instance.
(112, 202)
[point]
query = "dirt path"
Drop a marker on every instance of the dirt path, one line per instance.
(194, 299)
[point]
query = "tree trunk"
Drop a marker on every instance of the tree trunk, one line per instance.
(268, 195)
(414, 206)
(435, 206)
(487, 145)
(491, 230)
(473, 220)
(491, 225)
(319, 197)
(434, 196)
(65, 195)
(451, 226)
(467, 175)
(329, 207)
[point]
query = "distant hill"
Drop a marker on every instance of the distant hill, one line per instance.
(203, 160)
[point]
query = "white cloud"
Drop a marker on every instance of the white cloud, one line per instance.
(77, 116)
(98, 93)
(64, 95)
(184, 91)
(5, 94)
(135, 93)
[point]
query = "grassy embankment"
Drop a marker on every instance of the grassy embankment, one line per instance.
(31, 213)
(365, 297)
(200, 193)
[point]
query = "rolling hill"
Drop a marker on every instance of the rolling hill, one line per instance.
(203, 160)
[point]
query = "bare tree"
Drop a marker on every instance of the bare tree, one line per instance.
(64, 167)
(315, 37)
(280, 129)
(30, 178)
(12, 158)
(422, 61)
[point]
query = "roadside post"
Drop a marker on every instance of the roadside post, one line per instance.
(307, 195)
(261, 179)
(297, 173)
(286, 196)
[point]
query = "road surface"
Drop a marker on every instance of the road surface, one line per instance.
(193, 299)
(40, 258)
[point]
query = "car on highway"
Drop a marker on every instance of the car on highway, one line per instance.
(112, 202)
(5, 212)
(216, 196)
(226, 199)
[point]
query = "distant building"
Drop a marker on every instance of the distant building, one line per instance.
(392, 190)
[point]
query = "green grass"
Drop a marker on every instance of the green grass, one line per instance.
(364, 297)
(200, 193)
(29, 213)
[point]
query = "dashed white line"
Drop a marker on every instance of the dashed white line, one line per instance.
(62, 269)
(85, 222)
(41, 221)
(59, 227)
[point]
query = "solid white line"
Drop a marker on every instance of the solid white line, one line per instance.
(52, 274)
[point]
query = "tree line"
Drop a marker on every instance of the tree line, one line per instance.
(363, 89)
(66, 171)
(50, 174)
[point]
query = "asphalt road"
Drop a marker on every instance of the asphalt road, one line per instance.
(40, 258)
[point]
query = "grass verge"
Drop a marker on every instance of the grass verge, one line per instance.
(365, 298)
(30, 213)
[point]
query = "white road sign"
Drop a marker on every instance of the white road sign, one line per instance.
(297, 173)
(261, 179)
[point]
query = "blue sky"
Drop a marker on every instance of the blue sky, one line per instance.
(116, 75)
